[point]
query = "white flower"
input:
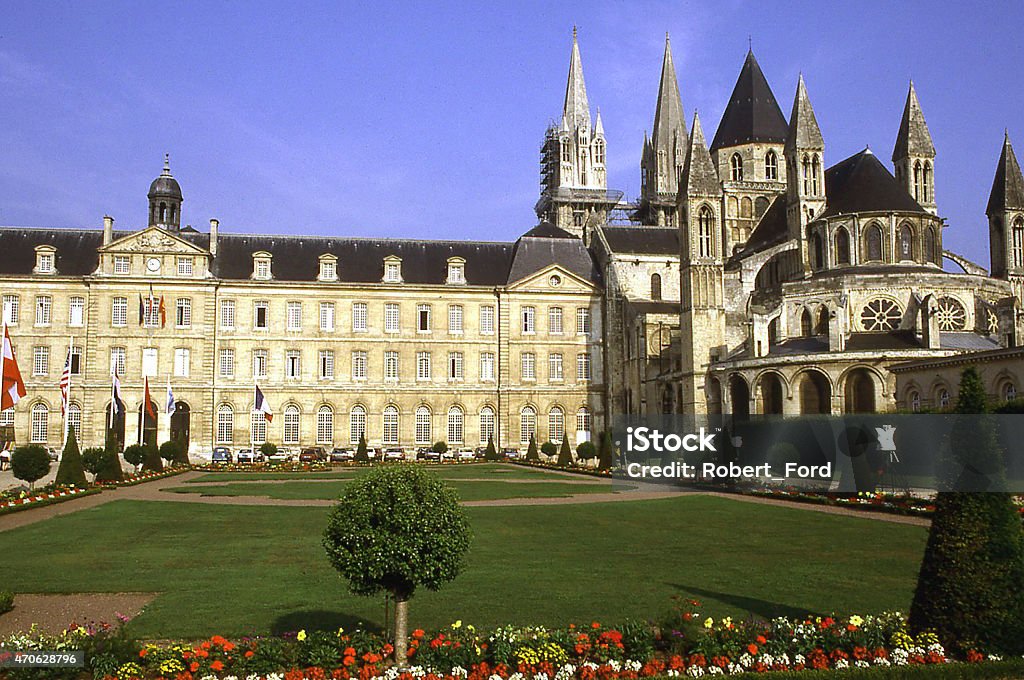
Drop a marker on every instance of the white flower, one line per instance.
(459, 672)
(695, 672)
(633, 665)
(862, 664)
(842, 663)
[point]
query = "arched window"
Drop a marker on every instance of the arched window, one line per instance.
(760, 206)
(736, 168)
(746, 207)
(926, 181)
(655, 286)
(325, 425)
(705, 229)
(1018, 243)
(931, 246)
(771, 165)
(455, 425)
(873, 238)
(815, 171)
(291, 424)
(906, 242)
(944, 398)
(823, 316)
(806, 167)
(566, 151)
(599, 152)
(527, 424)
(423, 425)
(583, 424)
(357, 424)
(917, 181)
(390, 424)
(842, 246)
(40, 423)
(915, 401)
(487, 422)
(225, 424)
(806, 323)
(817, 252)
(556, 424)
(75, 419)
(1009, 391)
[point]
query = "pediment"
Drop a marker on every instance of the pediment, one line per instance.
(153, 240)
(542, 281)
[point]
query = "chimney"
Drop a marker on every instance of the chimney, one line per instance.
(214, 225)
(108, 229)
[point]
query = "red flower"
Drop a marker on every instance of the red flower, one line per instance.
(752, 649)
(595, 625)
(217, 666)
(248, 654)
(761, 639)
(194, 666)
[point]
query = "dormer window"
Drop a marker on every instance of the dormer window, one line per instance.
(328, 268)
(456, 270)
(122, 264)
(261, 265)
(392, 270)
(45, 256)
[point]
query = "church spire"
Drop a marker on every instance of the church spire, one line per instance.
(699, 175)
(1005, 222)
(913, 139)
(804, 132)
(1008, 186)
(669, 123)
(577, 109)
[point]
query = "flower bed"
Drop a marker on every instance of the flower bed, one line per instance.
(11, 502)
(263, 467)
(146, 476)
(585, 471)
(683, 645)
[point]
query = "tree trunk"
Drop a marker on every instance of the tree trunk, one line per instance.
(401, 629)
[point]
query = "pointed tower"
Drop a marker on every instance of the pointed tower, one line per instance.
(702, 267)
(165, 199)
(574, 179)
(665, 153)
(914, 154)
(1006, 219)
(805, 170)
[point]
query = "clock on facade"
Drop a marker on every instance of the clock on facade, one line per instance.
(153, 264)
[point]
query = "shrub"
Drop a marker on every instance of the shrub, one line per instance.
(30, 463)
(531, 451)
(110, 468)
(440, 447)
(362, 455)
(1015, 406)
(393, 530)
(71, 472)
(268, 449)
(169, 450)
(93, 459)
(6, 601)
(182, 454)
(586, 450)
(134, 455)
(151, 460)
(491, 453)
(549, 449)
(565, 453)
(605, 452)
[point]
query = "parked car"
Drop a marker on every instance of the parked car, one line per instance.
(448, 455)
(512, 454)
(394, 453)
(281, 456)
(221, 456)
(313, 454)
(427, 453)
(53, 453)
(465, 453)
(480, 452)
(341, 455)
(245, 457)
(374, 453)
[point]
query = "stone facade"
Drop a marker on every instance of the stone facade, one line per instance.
(933, 384)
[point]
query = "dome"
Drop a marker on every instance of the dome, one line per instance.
(165, 186)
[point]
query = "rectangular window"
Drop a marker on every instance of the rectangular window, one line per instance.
(359, 316)
(117, 360)
(455, 365)
(225, 424)
(359, 365)
(456, 273)
(184, 266)
(328, 270)
(528, 366)
(391, 365)
(7, 416)
(182, 361)
(119, 312)
(262, 269)
(76, 311)
(261, 313)
(455, 319)
(583, 366)
(529, 320)
(393, 272)
(149, 362)
(582, 320)
(227, 363)
(183, 313)
(327, 316)
(227, 314)
(391, 317)
(46, 264)
(259, 363)
(295, 316)
(11, 310)
(292, 364)
(555, 320)
(259, 427)
(555, 368)
(76, 361)
(44, 303)
(40, 360)
(423, 318)
(423, 365)
(326, 364)
(122, 264)
(487, 320)
(487, 366)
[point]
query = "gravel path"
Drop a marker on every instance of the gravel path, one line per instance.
(54, 613)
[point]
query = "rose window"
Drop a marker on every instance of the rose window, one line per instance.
(951, 314)
(881, 315)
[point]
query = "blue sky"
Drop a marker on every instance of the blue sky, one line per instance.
(424, 120)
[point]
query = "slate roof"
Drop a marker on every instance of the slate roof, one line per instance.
(700, 178)
(913, 139)
(870, 342)
(533, 253)
(771, 229)
(752, 114)
(966, 340)
(643, 240)
(862, 184)
(1008, 185)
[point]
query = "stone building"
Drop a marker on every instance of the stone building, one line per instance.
(934, 384)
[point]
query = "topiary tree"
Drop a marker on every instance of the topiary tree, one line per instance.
(169, 450)
(151, 459)
(134, 455)
(93, 459)
(565, 452)
(182, 457)
(268, 449)
(549, 449)
(605, 452)
(531, 450)
(110, 468)
(491, 453)
(586, 450)
(393, 530)
(362, 455)
(71, 471)
(968, 589)
(440, 447)
(30, 464)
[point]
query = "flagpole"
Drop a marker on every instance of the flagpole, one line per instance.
(252, 427)
(67, 395)
(3, 348)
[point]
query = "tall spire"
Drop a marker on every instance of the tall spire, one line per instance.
(913, 138)
(1008, 185)
(669, 121)
(752, 114)
(577, 108)
(804, 132)
(699, 174)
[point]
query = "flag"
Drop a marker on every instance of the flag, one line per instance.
(142, 310)
(13, 385)
(163, 313)
(149, 408)
(65, 386)
(170, 396)
(116, 403)
(261, 405)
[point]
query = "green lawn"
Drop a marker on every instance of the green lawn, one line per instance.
(329, 490)
(446, 471)
(242, 569)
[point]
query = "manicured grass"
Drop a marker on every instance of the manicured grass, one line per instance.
(239, 569)
(329, 490)
(447, 471)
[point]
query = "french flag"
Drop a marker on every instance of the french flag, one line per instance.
(261, 405)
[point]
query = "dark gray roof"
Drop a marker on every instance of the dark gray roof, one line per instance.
(967, 341)
(654, 307)
(643, 240)
(799, 346)
(870, 342)
(771, 229)
(700, 178)
(752, 115)
(548, 230)
(862, 184)
(913, 139)
(76, 249)
(1008, 185)
(533, 253)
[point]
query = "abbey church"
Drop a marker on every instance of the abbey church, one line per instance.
(749, 276)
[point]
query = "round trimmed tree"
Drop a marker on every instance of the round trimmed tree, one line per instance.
(134, 455)
(394, 530)
(586, 450)
(93, 460)
(169, 450)
(30, 464)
